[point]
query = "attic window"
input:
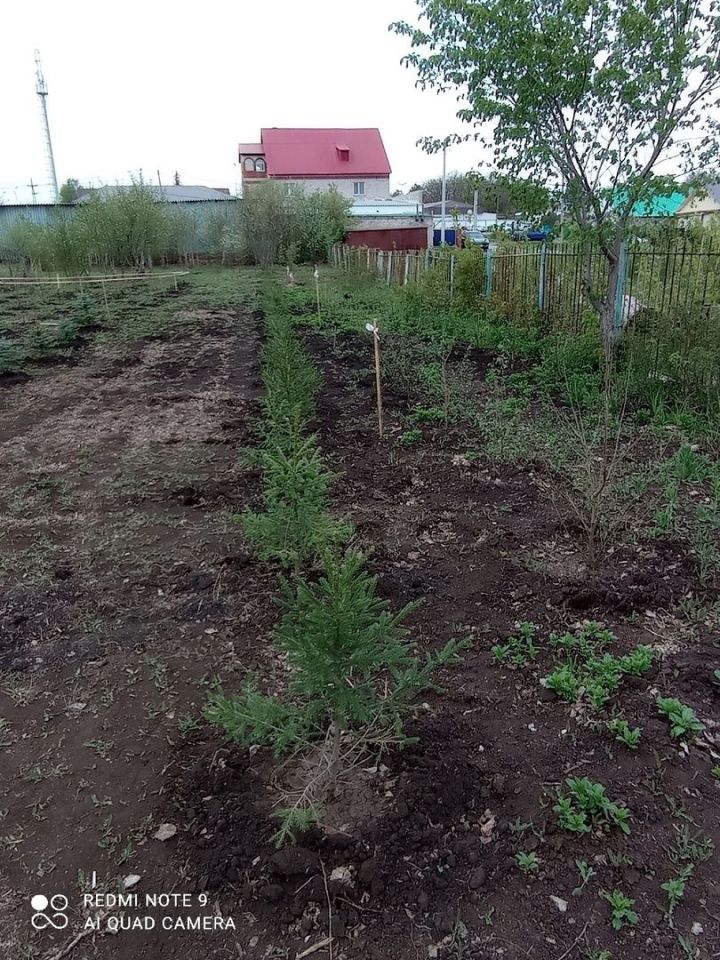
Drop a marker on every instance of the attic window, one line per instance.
(343, 153)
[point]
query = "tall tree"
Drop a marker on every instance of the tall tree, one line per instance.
(589, 94)
(69, 191)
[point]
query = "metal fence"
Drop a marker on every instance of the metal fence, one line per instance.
(556, 283)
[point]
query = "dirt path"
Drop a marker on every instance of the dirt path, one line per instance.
(124, 588)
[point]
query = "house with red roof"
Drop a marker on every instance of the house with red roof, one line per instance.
(353, 160)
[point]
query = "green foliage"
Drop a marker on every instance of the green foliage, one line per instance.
(675, 890)
(294, 226)
(691, 846)
(528, 862)
(253, 717)
(317, 221)
(340, 637)
(547, 76)
(622, 911)
(411, 437)
(351, 669)
(587, 806)
(588, 672)
(681, 718)
(11, 356)
(69, 191)
(688, 466)
(624, 733)
(519, 649)
(294, 822)
(428, 414)
(290, 377)
(294, 527)
(114, 228)
(586, 874)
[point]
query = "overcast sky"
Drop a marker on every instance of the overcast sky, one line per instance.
(174, 86)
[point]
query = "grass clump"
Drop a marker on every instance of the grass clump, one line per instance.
(352, 680)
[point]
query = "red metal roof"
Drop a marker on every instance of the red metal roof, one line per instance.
(305, 152)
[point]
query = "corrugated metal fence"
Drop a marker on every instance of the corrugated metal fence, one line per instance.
(201, 229)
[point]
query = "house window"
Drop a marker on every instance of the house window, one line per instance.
(359, 188)
(249, 163)
(260, 165)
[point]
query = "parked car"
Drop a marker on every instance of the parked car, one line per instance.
(539, 235)
(476, 238)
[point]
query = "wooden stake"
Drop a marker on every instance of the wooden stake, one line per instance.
(317, 289)
(372, 327)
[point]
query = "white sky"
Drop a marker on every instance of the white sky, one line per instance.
(175, 86)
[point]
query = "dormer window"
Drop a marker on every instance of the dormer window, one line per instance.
(343, 152)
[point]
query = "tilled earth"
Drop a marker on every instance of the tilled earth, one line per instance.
(129, 588)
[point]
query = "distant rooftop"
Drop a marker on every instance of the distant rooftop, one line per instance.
(173, 193)
(307, 152)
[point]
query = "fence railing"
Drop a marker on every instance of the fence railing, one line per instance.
(556, 282)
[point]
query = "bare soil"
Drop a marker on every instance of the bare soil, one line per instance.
(128, 588)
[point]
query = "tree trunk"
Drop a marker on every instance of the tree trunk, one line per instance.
(612, 334)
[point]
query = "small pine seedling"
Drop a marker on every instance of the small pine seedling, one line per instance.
(352, 676)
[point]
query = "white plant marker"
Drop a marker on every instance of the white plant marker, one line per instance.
(316, 274)
(373, 329)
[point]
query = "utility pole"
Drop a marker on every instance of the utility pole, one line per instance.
(42, 92)
(443, 196)
(33, 190)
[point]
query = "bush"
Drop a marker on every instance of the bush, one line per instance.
(293, 227)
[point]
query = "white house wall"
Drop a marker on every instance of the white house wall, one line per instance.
(376, 188)
(699, 208)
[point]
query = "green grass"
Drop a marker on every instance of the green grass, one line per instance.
(50, 323)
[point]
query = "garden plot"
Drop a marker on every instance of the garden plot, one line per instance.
(557, 793)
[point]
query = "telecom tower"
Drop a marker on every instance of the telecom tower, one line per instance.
(42, 92)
